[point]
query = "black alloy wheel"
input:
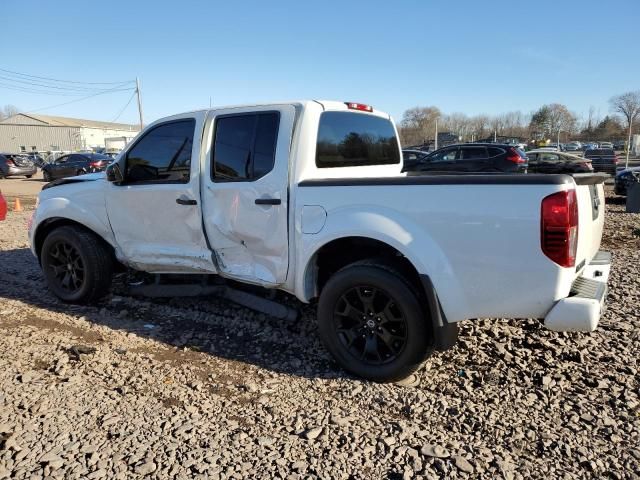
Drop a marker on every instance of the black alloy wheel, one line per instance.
(370, 325)
(77, 264)
(67, 266)
(373, 321)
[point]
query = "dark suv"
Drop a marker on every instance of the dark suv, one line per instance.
(473, 157)
(75, 164)
(603, 160)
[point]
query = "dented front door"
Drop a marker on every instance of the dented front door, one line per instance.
(245, 191)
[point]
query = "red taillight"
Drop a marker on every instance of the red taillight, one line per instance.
(11, 162)
(514, 156)
(95, 164)
(359, 106)
(615, 160)
(559, 227)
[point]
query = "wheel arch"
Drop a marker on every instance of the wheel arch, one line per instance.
(340, 252)
(48, 225)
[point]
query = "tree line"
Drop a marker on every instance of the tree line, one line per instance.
(418, 124)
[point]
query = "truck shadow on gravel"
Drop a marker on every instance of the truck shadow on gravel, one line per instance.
(188, 326)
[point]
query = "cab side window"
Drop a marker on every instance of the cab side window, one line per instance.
(244, 147)
(162, 155)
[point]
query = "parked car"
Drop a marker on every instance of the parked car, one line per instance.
(603, 160)
(573, 147)
(619, 145)
(544, 161)
(589, 146)
(75, 164)
(35, 157)
(16, 165)
(394, 261)
(473, 157)
(607, 145)
(3, 207)
(624, 179)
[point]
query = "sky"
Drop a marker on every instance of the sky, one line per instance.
(465, 56)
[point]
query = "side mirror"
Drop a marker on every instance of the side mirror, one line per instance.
(114, 174)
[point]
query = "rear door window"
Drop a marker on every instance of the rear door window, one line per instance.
(473, 153)
(349, 139)
(244, 146)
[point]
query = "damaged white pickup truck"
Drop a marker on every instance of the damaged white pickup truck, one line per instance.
(309, 197)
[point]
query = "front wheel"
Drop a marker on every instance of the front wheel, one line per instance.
(371, 320)
(76, 264)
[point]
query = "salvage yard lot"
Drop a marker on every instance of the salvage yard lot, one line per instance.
(196, 388)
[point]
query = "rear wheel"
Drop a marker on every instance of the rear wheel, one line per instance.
(28, 176)
(77, 265)
(46, 176)
(80, 172)
(371, 320)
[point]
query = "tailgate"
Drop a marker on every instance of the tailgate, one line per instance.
(590, 194)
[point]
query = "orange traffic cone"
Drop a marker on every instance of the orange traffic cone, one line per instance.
(17, 207)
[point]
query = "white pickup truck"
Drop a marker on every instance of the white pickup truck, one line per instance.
(308, 197)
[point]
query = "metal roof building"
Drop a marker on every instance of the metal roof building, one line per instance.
(32, 132)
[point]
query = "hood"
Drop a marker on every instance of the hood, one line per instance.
(627, 170)
(89, 177)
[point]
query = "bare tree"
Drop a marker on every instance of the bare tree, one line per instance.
(627, 105)
(8, 111)
(418, 125)
(550, 120)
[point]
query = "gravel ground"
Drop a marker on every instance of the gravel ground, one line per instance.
(205, 389)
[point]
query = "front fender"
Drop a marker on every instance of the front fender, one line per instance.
(396, 230)
(90, 214)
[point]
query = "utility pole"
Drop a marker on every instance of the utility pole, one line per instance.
(139, 103)
(558, 139)
(626, 164)
(436, 144)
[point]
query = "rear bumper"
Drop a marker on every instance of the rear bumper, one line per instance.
(581, 310)
(18, 171)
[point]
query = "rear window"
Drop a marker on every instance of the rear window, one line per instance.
(599, 151)
(348, 139)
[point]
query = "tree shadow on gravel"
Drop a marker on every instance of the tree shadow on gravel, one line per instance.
(213, 326)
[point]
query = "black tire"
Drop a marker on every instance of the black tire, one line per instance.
(77, 265)
(80, 172)
(28, 176)
(46, 176)
(336, 330)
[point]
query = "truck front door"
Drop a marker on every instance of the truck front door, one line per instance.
(245, 191)
(155, 212)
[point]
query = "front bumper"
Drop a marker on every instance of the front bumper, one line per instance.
(581, 310)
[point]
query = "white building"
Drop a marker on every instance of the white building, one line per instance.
(32, 132)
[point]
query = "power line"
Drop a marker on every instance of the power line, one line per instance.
(19, 88)
(80, 99)
(56, 87)
(64, 81)
(125, 107)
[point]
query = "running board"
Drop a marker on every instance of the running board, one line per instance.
(240, 297)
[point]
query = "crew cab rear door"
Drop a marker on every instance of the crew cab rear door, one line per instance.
(245, 191)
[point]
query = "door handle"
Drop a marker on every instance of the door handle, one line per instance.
(268, 201)
(185, 201)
